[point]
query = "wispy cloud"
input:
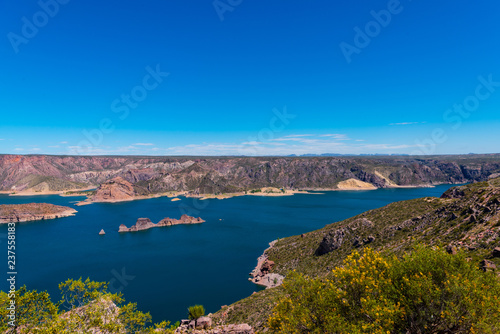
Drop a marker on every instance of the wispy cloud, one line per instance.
(338, 136)
(386, 146)
(301, 135)
(143, 144)
(63, 142)
(406, 123)
(19, 149)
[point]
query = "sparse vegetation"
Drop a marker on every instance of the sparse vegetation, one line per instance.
(426, 291)
(195, 312)
(396, 229)
(85, 307)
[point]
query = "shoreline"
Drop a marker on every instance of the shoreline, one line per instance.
(37, 217)
(261, 275)
(62, 193)
(176, 194)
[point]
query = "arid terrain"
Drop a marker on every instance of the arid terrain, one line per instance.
(111, 179)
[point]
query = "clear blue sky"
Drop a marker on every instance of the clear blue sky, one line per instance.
(234, 68)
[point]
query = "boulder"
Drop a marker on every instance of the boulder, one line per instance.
(203, 323)
(267, 266)
(368, 240)
(487, 265)
(102, 232)
(331, 242)
(451, 249)
(496, 252)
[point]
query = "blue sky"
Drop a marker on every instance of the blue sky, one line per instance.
(249, 77)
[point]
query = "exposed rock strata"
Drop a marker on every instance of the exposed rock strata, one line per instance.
(34, 211)
(145, 223)
(155, 175)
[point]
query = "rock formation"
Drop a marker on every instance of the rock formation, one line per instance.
(185, 219)
(203, 325)
(145, 223)
(102, 232)
(262, 274)
(336, 238)
(114, 190)
(34, 211)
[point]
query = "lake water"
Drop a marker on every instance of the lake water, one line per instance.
(168, 269)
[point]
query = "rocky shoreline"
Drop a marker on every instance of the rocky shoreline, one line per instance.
(145, 223)
(262, 275)
(19, 213)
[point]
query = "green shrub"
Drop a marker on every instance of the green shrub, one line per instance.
(426, 291)
(195, 312)
(85, 307)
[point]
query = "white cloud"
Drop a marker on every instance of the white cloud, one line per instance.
(338, 136)
(19, 149)
(406, 123)
(63, 142)
(293, 136)
(54, 146)
(143, 144)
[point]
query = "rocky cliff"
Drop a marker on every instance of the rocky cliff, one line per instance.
(215, 175)
(34, 211)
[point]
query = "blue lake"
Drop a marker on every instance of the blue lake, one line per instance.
(167, 269)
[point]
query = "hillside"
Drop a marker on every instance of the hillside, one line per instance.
(217, 175)
(464, 218)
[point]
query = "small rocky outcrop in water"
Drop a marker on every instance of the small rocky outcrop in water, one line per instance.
(34, 211)
(145, 223)
(185, 219)
(102, 232)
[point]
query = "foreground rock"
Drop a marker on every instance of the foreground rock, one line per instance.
(34, 211)
(200, 326)
(146, 224)
(262, 275)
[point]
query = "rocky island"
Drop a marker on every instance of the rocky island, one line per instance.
(18, 213)
(146, 224)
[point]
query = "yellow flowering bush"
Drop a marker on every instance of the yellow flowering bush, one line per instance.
(426, 291)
